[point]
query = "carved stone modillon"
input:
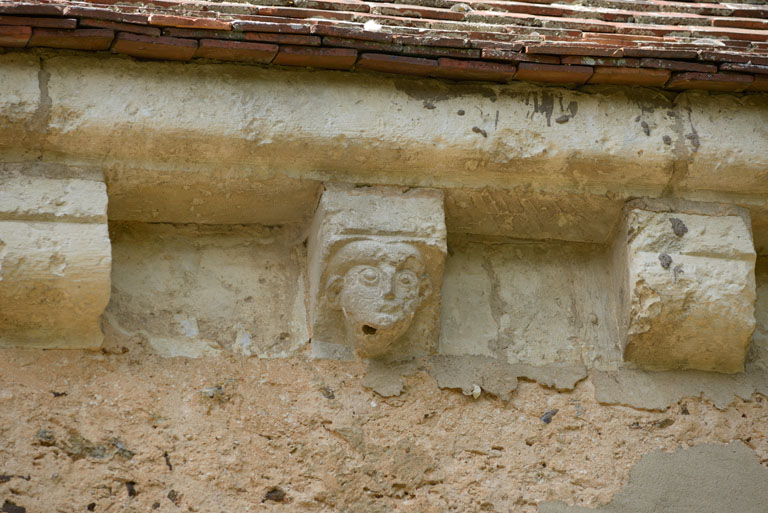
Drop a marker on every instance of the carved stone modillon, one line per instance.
(376, 260)
(378, 286)
(685, 283)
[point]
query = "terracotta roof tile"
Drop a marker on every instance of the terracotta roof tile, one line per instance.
(79, 39)
(236, 51)
(624, 62)
(678, 65)
(579, 48)
(105, 14)
(760, 84)
(63, 23)
(267, 26)
(454, 69)
(707, 45)
(513, 56)
(118, 26)
(745, 68)
(201, 34)
(32, 9)
(14, 36)
(629, 76)
(397, 64)
(162, 20)
(161, 48)
(327, 58)
(711, 81)
(560, 74)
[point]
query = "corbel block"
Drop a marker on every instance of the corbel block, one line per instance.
(684, 275)
(376, 257)
(55, 261)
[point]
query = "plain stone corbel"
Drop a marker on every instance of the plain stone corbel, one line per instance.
(55, 260)
(684, 278)
(376, 257)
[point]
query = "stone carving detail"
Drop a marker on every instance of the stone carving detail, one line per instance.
(378, 286)
(685, 283)
(376, 259)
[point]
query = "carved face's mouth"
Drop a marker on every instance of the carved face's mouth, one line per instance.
(381, 325)
(371, 330)
(381, 321)
(374, 340)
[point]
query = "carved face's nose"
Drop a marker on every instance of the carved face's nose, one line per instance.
(388, 281)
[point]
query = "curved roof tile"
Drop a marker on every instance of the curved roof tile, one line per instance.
(721, 46)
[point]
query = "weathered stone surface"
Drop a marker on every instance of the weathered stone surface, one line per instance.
(55, 261)
(659, 390)
(499, 378)
(311, 428)
(224, 432)
(375, 271)
(685, 279)
(55, 283)
(21, 108)
(706, 479)
(530, 303)
(522, 213)
(185, 196)
(192, 291)
(37, 198)
(473, 375)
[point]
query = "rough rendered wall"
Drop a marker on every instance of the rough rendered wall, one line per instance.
(216, 434)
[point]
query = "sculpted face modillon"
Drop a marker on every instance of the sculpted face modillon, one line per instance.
(378, 286)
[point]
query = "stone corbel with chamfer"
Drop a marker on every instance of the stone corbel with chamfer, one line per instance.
(376, 257)
(55, 260)
(684, 275)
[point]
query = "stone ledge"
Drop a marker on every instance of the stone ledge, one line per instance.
(566, 183)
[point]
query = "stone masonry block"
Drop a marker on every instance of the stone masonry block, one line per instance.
(685, 280)
(376, 258)
(55, 261)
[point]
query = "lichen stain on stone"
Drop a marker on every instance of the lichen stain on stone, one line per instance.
(545, 105)
(433, 91)
(572, 108)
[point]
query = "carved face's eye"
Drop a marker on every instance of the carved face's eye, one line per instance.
(407, 278)
(369, 276)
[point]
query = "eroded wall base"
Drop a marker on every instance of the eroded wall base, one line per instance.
(221, 433)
